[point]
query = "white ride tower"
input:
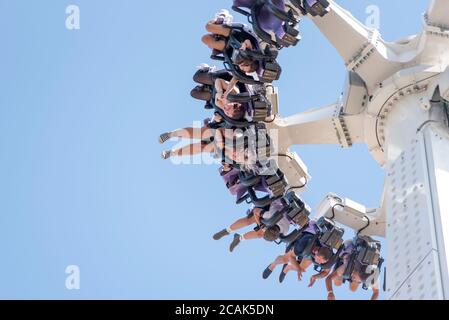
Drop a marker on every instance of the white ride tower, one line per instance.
(395, 102)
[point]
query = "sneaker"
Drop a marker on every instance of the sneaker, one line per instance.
(235, 242)
(166, 154)
(283, 274)
(267, 272)
(164, 137)
(221, 234)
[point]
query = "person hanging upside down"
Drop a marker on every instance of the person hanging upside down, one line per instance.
(295, 260)
(358, 275)
(205, 134)
(254, 217)
(219, 31)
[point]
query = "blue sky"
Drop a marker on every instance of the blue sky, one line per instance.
(81, 179)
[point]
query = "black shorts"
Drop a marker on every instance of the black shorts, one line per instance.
(302, 243)
(207, 141)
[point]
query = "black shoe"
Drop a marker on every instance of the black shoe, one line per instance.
(221, 234)
(235, 242)
(283, 274)
(267, 272)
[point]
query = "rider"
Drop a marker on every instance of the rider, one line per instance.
(255, 216)
(295, 259)
(219, 31)
(358, 275)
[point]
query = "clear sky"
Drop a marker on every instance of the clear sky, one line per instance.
(81, 179)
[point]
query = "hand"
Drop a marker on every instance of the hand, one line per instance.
(312, 281)
(299, 275)
(225, 96)
(330, 296)
(218, 118)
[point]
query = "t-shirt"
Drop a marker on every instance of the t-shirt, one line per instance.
(302, 243)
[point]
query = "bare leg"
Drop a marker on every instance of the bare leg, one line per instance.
(192, 133)
(253, 235)
(279, 260)
(192, 149)
(290, 268)
(210, 41)
(242, 223)
(218, 29)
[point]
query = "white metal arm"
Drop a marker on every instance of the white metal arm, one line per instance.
(438, 14)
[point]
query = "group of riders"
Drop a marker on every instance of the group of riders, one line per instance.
(239, 97)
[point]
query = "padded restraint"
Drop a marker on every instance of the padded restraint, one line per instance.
(296, 210)
(331, 235)
(260, 202)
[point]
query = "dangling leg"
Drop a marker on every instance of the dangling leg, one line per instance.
(187, 133)
(279, 260)
(247, 236)
(189, 150)
(214, 42)
(218, 29)
(239, 224)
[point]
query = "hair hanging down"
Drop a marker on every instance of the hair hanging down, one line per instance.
(325, 252)
(272, 233)
(242, 59)
(238, 112)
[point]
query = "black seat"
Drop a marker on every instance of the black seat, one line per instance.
(367, 256)
(266, 58)
(248, 179)
(287, 17)
(260, 202)
(256, 101)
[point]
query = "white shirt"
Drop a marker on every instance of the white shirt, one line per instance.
(283, 224)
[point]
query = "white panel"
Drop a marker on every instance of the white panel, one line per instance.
(422, 283)
(410, 229)
(437, 151)
(437, 13)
